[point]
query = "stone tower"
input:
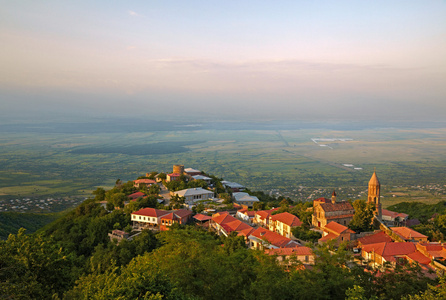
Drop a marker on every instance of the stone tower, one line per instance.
(374, 195)
(333, 197)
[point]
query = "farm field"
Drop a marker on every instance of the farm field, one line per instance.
(283, 162)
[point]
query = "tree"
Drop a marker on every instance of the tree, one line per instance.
(154, 189)
(118, 199)
(99, 194)
(363, 218)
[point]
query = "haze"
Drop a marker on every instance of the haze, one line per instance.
(253, 60)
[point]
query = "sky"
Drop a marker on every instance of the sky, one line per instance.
(253, 60)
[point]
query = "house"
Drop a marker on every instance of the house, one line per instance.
(192, 172)
(283, 223)
(377, 237)
(118, 235)
(394, 218)
(138, 183)
(435, 251)
(380, 253)
(262, 238)
(224, 223)
(206, 179)
(336, 231)
(261, 217)
(193, 195)
(409, 234)
(136, 195)
(173, 177)
(326, 211)
(180, 216)
(233, 186)
(245, 199)
(246, 215)
(147, 218)
(287, 255)
(202, 218)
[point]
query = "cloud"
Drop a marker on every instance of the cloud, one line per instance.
(132, 13)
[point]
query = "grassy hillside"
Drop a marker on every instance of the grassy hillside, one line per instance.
(11, 222)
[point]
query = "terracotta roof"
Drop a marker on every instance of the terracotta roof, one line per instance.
(146, 181)
(136, 195)
(200, 217)
(223, 218)
(419, 258)
(408, 233)
(322, 200)
(151, 212)
(299, 250)
(182, 212)
(236, 225)
(328, 237)
(246, 232)
(287, 218)
(174, 175)
(337, 206)
(273, 238)
(393, 214)
(378, 237)
(264, 214)
(339, 217)
(337, 228)
(170, 216)
(243, 210)
(389, 250)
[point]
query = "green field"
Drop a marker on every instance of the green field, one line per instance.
(41, 164)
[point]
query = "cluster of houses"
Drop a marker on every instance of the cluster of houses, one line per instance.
(271, 231)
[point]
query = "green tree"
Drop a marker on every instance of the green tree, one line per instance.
(363, 217)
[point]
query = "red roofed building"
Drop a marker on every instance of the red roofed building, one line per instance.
(172, 177)
(143, 182)
(435, 251)
(378, 237)
(338, 232)
(136, 195)
(380, 253)
(409, 234)
(202, 218)
(147, 218)
(325, 212)
(283, 223)
(224, 223)
(262, 238)
(289, 255)
(262, 217)
(246, 215)
(394, 218)
(180, 216)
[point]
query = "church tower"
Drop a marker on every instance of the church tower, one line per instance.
(333, 197)
(374, 195)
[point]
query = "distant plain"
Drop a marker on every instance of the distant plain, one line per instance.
(40, 162)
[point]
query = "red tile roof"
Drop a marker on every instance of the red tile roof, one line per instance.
(182, 212)
(337, 228)
(200, 217)
(408, 233)
(322, 200)
(170, 216)
(236, 225)
(393, 214)
(389, 250)
(337, 206)
(246, 232)
(136, 195)
(273, 238)
(378, 237)
(287, 218)
(419, 258)
(151, 212)
(174, 175)
(146, 181)
(223, 218)
(328, 237)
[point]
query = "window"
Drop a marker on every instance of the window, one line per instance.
(306, 258)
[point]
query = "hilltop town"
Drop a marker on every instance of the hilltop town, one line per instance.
(289, 231)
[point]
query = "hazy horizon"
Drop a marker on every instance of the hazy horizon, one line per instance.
(202, 60)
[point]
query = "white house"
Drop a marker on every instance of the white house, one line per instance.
(147, 218)
(193, 195)
(245, 199)
(206, 179)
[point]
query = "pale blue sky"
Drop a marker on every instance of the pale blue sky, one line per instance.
(256, 59)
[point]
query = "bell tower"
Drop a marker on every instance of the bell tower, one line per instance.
(333, 197)
(374, 195)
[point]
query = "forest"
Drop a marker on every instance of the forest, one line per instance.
(73, 258)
